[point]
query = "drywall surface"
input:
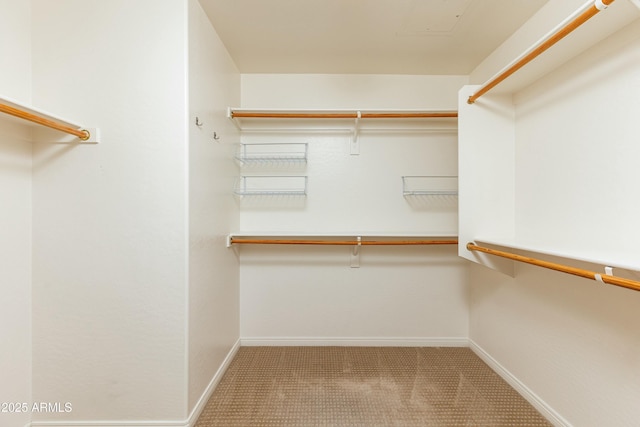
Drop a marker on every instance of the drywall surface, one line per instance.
(485, 160)
(576, 152)
(110, 220)
(15, 46)
(366, 91)
(569, 340)
(15, 214)
(214, 84)
(311, 294)
(573, 342)
(15, 269)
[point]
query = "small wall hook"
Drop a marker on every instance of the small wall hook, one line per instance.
(216, 137)
(198, 122)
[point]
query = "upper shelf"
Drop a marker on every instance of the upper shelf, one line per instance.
(245, 118)
(617, 16)
(36, 117)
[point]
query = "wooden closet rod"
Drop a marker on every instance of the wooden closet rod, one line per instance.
(275, 115)
(25, 115)
(235, 240)
(558, 35)
(611, 280)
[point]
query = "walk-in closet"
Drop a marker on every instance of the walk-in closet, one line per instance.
(367, 213)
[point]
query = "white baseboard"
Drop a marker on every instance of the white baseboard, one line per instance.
(547, 411)
(356, 341)
(197, 410)
(189, 422)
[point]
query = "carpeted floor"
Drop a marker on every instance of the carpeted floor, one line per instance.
(364, 386)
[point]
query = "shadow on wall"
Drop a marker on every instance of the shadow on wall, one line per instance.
(337, 256)
(442, 203)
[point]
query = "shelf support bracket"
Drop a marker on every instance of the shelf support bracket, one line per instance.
(54, 137)
(355, 145)
(355, 254)
(233, 119)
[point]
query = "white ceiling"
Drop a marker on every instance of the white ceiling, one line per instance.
(365, 36)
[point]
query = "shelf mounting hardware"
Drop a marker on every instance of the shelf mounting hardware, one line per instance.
(355, 254)
(355, 145)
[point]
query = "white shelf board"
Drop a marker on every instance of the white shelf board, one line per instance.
(341, 234)
(332, 110)
(335, 124)
(338, 235)
(33, 110)
(620, 260)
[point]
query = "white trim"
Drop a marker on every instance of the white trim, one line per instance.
(357, 341)
(199, 407)
(189, 422)
(543, 407)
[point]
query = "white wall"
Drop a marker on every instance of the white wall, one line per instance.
(487, 175)
(15, 215)
(572, 342)
(15, 45)
(15, 268)
(311, 294)
(577, 151)
(214, 84)
(110, 220)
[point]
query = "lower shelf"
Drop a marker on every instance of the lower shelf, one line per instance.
(429, 185)
(607, 277)
(253, 185)
(620, 260)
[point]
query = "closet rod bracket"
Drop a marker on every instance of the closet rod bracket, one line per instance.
(54, 137)
(93, 136)
(355, 145)
(355, 254)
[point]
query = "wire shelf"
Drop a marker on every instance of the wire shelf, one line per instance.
(254, 185)
(429, 185)
(272, 153)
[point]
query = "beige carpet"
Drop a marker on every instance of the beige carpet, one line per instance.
(364, 386)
